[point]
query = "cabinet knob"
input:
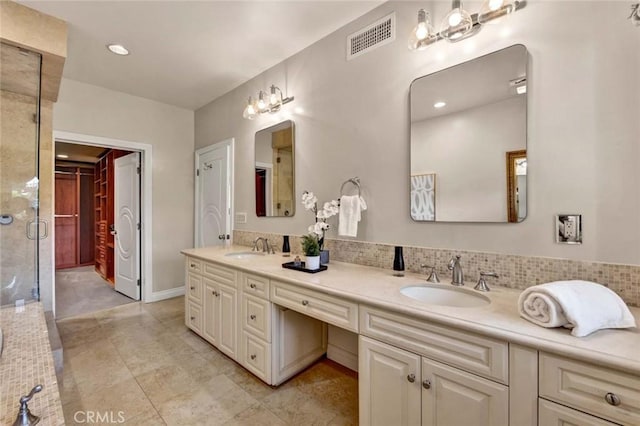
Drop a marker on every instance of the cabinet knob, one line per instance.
(612, 399)
(253, 286)
(253, 357)
(253, 317)
(216, 293)
(305, 302)
(426, 384)
(411, 378)
(192, 288)
(193, 265)
(193, 318)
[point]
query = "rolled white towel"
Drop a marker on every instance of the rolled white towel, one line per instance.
(581, 305)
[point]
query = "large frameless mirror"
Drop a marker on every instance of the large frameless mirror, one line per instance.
(275, 170)
(469, 141)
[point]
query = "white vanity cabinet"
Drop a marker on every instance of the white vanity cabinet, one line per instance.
(592, 392)
(232, 310)
(212, 300)
(401, 387)
(277, 342)
(398, 387)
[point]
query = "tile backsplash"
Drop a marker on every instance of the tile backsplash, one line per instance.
(514, 271)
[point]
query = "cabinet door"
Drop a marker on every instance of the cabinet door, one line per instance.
(389, 384)
(452, 397)
(211, 322)
(228, 332)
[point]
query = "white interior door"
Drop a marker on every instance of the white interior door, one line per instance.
(213, 198)
(127, 219)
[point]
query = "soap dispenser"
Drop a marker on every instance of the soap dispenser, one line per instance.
(286, 249)
(398, 262)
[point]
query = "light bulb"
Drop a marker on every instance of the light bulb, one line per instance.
(494, 9)
(495, 4)
(457, 24)
(455, 18)
(249, 111)
(423, 34)
(275, 102)
(261, 103)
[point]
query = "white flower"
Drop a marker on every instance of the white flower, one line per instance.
(318, 228)
(309, 200)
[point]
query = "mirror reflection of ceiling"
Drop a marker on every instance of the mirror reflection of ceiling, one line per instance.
(20, 70)
(213, 46)
(482, 81)
(79, 153)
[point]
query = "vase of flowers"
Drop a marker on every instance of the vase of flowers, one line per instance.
(330, 208)
(311, 249)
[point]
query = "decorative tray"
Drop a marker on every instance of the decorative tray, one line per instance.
(301, 267)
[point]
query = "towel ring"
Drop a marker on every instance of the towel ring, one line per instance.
(354, 181)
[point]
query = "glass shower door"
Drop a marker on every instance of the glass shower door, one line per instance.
(20, 225)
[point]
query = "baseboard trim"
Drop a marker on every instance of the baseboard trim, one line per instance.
(342, 357)
(156, 296)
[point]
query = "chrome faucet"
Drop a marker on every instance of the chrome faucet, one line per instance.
(266, 246)
(482, 284)
(255, 244)
(457, 277)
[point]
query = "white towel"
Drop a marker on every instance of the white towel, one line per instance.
(351, 207)
(581, 305)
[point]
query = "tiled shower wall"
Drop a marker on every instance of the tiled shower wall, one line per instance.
(517, 272)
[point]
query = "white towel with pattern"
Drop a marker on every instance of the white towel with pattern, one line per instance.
(583, 306)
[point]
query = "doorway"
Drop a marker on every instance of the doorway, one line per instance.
(96, 268)
(214, 192)
(121, 213)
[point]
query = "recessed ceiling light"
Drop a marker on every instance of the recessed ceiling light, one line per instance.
(439, 104)
(62, 156)
(118, 49)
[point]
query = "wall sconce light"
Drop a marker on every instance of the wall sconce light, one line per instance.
(459, 24)
(263, 104)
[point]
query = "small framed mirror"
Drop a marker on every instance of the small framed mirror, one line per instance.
(275, 170)
(469, 140)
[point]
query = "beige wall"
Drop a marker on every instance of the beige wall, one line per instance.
(583, 133)
(95, 111)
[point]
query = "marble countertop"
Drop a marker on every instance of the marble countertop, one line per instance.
(27, 361)
(500, 319)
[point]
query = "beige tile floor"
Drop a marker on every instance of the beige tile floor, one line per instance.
(139, 362)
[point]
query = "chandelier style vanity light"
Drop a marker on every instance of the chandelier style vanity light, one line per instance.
(459, 24)
(265, 103)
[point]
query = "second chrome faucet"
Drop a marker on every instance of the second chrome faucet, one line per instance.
(457, 276)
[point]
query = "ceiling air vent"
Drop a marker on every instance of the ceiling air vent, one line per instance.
(378, 34)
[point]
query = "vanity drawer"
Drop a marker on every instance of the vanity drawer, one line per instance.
(586, 386)
(220, 274)
(484, 356)
(255, 285)
(194, 265)
(324, 307)
(550, 413)
(194, 287)
(193, 317)
(256, 356)
(256, 316)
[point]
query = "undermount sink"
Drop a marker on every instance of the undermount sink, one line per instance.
(445, 296)
(244, 254)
